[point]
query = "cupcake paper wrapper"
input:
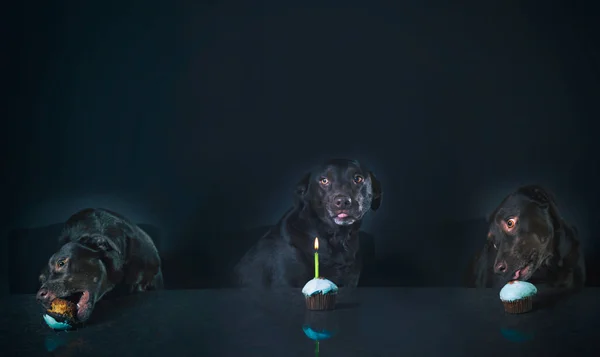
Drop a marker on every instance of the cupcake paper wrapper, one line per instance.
(518, 306)
(321, 302)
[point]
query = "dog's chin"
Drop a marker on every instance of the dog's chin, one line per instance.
(343, 219)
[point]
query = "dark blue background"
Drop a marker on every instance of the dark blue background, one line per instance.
(199, 117)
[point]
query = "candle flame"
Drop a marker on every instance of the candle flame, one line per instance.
(316, 243)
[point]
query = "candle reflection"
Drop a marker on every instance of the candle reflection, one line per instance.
(514, 335)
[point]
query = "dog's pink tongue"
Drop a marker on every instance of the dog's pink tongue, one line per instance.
(521, 272)
(83, 306)
(85, 298)
(342, 215)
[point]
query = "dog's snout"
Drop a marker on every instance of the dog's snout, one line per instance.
(500, 267)
(342, 202)
(44, 295)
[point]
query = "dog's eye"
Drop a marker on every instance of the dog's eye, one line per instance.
(511, 222)
(60, 263)
(358, 179)
(324, 181)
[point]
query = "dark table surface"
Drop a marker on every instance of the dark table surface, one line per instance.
(367, 322)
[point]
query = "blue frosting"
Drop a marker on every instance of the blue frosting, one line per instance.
(319, 285)
(316, 335)
(516, 290)
(55, 324)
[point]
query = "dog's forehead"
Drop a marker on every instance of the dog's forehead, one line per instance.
(68, 247)
(60, 253)
(340, 167)
(69, 250)
(518, 204)
(529, 213)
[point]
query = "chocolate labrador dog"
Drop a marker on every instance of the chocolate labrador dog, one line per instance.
(529, 240)
(330, 204)
(100, 251)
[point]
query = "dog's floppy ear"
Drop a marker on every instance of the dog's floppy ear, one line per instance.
(538, 194)
(110, 253)
(100, 243)
(301, 189)
(544, 199)
(377, 193)
(482, 266)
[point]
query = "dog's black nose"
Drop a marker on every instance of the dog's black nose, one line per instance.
(500, 267)
(342, 202)
(44, 295)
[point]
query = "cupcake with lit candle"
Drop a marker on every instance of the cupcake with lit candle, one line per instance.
(319, 293)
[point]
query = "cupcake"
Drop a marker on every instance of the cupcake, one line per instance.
(61, 315)
(320, 294)
(517, 296)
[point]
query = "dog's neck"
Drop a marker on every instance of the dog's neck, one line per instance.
(564, 247)
(338, 237)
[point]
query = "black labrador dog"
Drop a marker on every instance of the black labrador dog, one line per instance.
(528, 240)
(330, 204)
(100, 251)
